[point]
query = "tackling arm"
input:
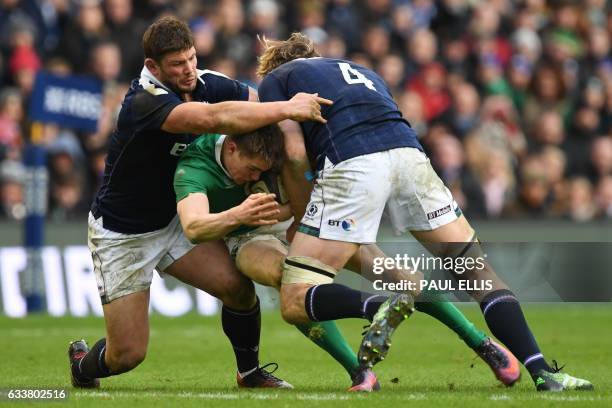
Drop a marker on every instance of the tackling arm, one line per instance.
(235, 117)
(199, 224)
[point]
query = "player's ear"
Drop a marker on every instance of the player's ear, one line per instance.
(152, 66)
(231, 146)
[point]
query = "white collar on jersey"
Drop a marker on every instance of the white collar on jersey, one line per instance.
(153, 85)
(218, 149)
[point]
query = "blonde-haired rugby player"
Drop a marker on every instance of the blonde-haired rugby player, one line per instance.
(214, 184)
(368, 158)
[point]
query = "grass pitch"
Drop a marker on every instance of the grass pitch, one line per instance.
(190, 363)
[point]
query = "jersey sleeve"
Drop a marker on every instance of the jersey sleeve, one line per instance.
(190, 178)
(271, 89)
(150, 110)
(221, 88)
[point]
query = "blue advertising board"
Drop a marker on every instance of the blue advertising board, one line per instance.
(70, 101)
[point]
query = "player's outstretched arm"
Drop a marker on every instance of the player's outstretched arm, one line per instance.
(200, 225)
(235, 117)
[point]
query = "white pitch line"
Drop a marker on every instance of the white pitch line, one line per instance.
(219, 395)
(549, 397)
(572, 398)
(208, 395)
(322, 397)
(310, 396)
(87, 394)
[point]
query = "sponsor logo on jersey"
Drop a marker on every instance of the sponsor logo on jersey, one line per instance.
(151, 88)
(178, 149)
(346, 225)
(438, 213)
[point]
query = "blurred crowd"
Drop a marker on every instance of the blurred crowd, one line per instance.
(511, 99)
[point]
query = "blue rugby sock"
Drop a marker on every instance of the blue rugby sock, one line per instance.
(333, 301)
(503, 314)
(243, 328)
(93, 364)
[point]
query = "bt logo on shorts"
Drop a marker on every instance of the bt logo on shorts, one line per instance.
(346, 225)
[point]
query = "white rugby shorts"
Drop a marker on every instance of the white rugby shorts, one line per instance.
(349, 198)
(124, 263)
(276, 232)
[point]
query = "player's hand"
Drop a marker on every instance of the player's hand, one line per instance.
(258, 209)
(305, 106)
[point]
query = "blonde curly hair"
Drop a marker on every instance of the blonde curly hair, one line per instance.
(277, 52)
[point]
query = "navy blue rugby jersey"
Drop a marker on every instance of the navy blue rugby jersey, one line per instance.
(363, 119)
(137, 193)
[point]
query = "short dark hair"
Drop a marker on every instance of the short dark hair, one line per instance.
(267, 142)
(168, 34)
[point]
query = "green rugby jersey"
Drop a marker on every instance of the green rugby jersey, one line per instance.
(199, 170)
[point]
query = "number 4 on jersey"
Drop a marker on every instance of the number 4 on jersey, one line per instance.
(352, 76)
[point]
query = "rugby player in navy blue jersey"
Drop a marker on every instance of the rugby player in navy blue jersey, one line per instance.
(213, 200)
(367, 158)
(133, 226)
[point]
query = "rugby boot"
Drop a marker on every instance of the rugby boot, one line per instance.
(377, 338)
(76, 351)
(558, 381)
(364, 380)
(262, 378)
(503, 363)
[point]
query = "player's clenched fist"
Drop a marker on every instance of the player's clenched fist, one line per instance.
(258, 209)
(305, 106)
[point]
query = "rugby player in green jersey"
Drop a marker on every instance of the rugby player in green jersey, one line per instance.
(214, 184)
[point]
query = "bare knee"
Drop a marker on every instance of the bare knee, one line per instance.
(291, 313)
(292, 304)
(238, 292)
(125, 358)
